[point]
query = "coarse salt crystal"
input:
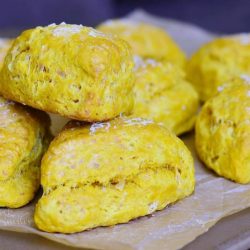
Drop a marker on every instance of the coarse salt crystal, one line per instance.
(244, 39)
(140, 63)
(137, 121)
(220, 88)
(99, 125)
(152, 207)
(63, 30)
(120, 185)
(245, 78)
(52, 25)
(95, 33)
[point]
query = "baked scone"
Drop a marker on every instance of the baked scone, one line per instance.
(217, 62)
(146, 40)
(24, 136)
(163, 94)
(223, 132)
(110, 173)
(71, 70)
(4, 46)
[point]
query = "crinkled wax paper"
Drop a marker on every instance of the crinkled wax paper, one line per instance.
(176, 225)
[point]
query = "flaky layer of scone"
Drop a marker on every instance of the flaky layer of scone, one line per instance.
(222, 133)
(71, 70)
(217, 62)
(24, 137)
(146, 40)
(110, 173)
(163, 94)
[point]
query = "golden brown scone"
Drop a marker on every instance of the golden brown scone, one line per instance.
(24, 136)
(4, 46)
(223, 132)
(110, 173)
(146, 40)
(163, 94)
(71, 70)
(217, 62)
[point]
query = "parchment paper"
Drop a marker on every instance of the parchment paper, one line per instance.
(176, 225)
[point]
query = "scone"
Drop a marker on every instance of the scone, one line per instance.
(110, 173)
(223, 132)
(163, 94)
(146, 40)
(4, 46)
(217, 62)
(71, 70)
(24, 136)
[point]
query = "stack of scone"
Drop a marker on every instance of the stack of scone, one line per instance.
(120, 158)
(126, 88)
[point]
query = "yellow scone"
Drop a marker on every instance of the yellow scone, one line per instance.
(217, 62)
(110, 173)
(24, 136)
(4, 46)
(162, 94)
(146, 40)
(223, 132)
(71, 70)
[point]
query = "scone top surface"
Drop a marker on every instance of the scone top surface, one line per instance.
(163, 94)
(146, 40)
(217, 62)
(23, 139)
(110, 173)
(223, 131)
(72, 70)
